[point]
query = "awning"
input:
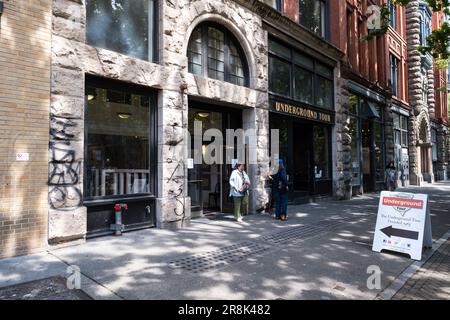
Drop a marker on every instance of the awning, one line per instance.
(371, 110)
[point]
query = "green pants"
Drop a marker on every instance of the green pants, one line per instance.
(240, 206)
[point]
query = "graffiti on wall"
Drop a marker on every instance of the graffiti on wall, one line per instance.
(64, 169)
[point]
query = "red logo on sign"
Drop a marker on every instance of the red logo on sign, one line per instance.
(406, 203)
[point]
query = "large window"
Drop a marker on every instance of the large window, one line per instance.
(392, 15)
(215, 53)
(123, 26)
(119, 140)
(394, 75)
(276, 4)
(299, 77)
(400, 130)
(313, 15)
(321, 151)
(425, 24)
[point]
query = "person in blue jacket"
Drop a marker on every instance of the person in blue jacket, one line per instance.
(281, 189)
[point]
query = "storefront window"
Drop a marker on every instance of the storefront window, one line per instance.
(321, 163)
(301, 78)
(355, 164)
(379, 151)
(280, 76)
(304, 85)
(123, 26)
(324, 93)
(118, 141)
(434, 144)
(214, 52)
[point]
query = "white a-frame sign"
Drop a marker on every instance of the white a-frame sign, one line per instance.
(403, 224)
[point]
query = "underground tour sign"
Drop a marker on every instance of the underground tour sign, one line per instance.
(403, 224)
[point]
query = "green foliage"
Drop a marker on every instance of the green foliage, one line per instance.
(438, 42)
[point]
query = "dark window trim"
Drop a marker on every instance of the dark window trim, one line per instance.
(152, 94)
(228, 38)
(314, 70)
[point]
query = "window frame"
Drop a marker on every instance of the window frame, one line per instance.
(109, 84)
(393, 15)
(153, 55)
(394, 64)
(228, 38)
(314, 70)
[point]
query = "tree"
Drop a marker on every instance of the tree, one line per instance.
(438, 41)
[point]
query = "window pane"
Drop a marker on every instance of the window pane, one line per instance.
(119, 25)
(237, 75)
(280, 76)
(117, 160)
(321, 170)
(279, 49)
(216, 55)
(397, 137)
(379, 151)
(396, 117)
(355, 164)
(404, 138)
(303, 60)
(324, 70)
(195, 52)
(303, 85)
(353, 104)
(324, 93)
(404, 122)
(312, 15)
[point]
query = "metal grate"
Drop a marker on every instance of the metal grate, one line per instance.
(219, 258)
(292, 235)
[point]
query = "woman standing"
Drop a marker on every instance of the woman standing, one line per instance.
(239, 186)
(390, 176)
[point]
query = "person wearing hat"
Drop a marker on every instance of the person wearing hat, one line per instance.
(281, 189)
(239, 189)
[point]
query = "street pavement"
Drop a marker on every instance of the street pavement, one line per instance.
(322, 252)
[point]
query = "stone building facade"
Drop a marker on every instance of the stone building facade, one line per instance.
(423, 136)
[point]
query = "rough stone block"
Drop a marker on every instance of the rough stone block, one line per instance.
(67, 225)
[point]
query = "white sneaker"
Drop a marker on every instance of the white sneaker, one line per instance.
(240, 219)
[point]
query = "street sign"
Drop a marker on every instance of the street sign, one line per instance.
(403, 224)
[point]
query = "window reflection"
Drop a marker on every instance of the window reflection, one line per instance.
(122, 26)
(118, 131)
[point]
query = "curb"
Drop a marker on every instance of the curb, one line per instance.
(400, 281)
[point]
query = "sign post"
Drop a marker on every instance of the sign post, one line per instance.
(403, 224)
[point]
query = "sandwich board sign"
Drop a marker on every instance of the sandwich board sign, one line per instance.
(403, 224)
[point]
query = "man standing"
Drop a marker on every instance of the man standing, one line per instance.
(281, 192)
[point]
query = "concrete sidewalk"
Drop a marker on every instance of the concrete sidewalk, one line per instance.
(322, 252)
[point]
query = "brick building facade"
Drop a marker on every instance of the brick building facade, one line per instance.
(25, 51)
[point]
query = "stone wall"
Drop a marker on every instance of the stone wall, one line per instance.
(442, 147)
(72, 59)
(342, 175)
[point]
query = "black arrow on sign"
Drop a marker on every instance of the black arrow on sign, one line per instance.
(390, 231)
